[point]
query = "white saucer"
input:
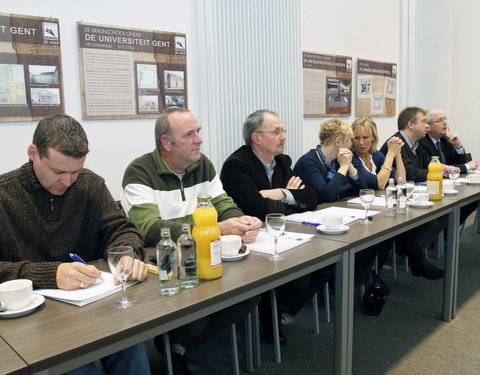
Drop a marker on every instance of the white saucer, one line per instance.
(37, 300)
(235, 258)
(450, 192)
(324, 230)
(423, 205)
(472, 183)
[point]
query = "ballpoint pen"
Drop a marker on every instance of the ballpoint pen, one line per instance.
(309, 223)
(76, 258)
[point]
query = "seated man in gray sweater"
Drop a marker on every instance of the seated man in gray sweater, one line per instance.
(50, 207)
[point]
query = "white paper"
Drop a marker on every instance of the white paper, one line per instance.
(264, 242)
(82, 297)
(377, 201)
(349, 215)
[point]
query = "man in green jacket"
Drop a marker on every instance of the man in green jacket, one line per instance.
(160, 189)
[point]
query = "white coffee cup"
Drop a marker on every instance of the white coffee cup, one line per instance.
(231, 244)
(420, 198)
(332, 221)
(447, 184)
(16, 294)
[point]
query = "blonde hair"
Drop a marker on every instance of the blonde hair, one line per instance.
(368, 124)
(332, 128)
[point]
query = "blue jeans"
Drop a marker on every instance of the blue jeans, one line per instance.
(130, 361)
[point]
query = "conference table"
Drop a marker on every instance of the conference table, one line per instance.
(59, 337)
(11, 363)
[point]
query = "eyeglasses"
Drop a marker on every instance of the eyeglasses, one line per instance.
(275, 132)
(440, 120)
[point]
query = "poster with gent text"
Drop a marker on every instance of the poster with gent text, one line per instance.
(327, 85)
(30, 68)
(376, 88)
(130, 73)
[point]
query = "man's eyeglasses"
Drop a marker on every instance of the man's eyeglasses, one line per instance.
(275, 132)
(440, 120)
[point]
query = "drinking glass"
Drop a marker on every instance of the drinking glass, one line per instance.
(410, 185)
(366, 197)
(120, 262)
(275, 227)
(453, 174)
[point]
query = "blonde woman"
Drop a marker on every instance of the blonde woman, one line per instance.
(328, 168)
(371, 164)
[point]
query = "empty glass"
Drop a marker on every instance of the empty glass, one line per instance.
(366, 197)
(453, 174)
(120, 262)
(275, 226)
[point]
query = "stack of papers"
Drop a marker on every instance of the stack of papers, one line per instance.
(288, 240)
(315, 217)
(82, 297)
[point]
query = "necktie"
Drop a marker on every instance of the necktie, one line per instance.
(440, 153)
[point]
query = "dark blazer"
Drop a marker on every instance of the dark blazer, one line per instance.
(310, 170)
(452, 157)
(416, 165)
(243, 176)
(370, 178)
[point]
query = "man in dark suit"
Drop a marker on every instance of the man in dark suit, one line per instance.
(412, 127)
(451, 150)
(259, 178)
(441, 141)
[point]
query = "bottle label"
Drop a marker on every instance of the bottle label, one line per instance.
(433, 187)
(215, 254)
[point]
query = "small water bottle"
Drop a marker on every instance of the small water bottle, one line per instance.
(391, 199)
(187, 258)
(401, 197)
(167, 264)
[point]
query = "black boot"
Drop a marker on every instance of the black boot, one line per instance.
(422, 267)
(375, 296)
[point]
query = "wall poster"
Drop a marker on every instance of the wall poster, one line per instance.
(30, 68)
(327, 85)
(130, 73)
(376, 88)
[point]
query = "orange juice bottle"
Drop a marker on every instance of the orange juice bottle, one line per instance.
(435, 179)
(207, 234)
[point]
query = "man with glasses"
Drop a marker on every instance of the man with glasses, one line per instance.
(441, 141)
(259, 177)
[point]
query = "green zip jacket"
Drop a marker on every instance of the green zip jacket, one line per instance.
(154, 197)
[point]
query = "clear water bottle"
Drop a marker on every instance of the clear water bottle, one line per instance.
(401, 197)
(167, 264)
(391, 199)
(187, 258)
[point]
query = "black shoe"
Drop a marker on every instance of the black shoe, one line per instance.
(422, 267)
(179, 364)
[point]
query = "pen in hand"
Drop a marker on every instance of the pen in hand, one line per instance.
(76, 258)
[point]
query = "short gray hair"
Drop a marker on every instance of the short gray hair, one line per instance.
(253, 122)
(162, 125)
(433, 112)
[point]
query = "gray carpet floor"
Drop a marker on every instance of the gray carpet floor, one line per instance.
(407, 338)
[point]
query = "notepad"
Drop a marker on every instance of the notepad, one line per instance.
(264, 242)
(82, 297)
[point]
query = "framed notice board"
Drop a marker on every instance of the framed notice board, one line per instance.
(376, 88)
(327, 85)
(130, 73)
(30, 68)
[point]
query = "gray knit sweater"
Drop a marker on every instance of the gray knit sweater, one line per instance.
(38, 230)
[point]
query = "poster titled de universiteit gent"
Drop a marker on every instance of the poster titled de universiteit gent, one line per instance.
(130, 73)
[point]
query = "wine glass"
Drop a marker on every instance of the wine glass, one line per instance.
(275, 227)
(366, 197)
(453, 174)
(120, 262)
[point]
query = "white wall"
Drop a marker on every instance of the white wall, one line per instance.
(114, 143)
(368, 29)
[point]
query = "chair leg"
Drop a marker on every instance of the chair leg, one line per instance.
(406, 264)
(233, 341)
(249, 342)
(362, 292)
(375, 264)
(257, 358)
(276, 331)
(326, 291)
(316, 318)
(167, 353)
(476, 222)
